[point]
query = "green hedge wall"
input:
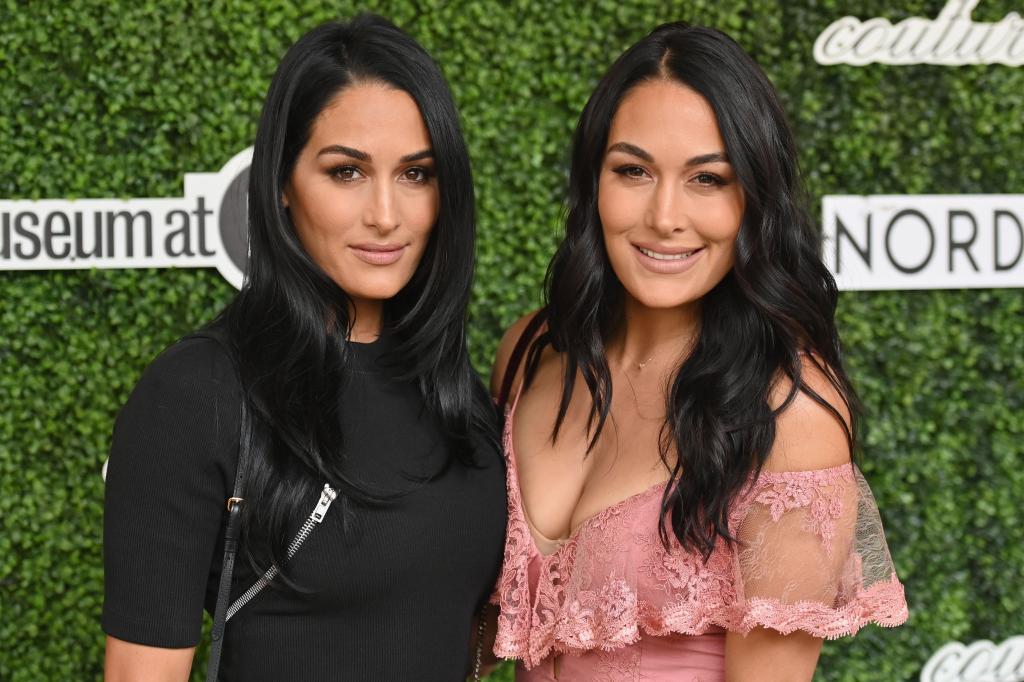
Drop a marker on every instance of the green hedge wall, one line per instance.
(119, 98)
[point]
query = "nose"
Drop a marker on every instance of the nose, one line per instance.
(382, 211)
(667, 209)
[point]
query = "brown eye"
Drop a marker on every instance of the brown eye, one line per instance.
(345, 173)
(709, 179)
(632, 172)
(416, 175)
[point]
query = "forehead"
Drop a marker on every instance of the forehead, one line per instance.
(667, 119)
(373, 117)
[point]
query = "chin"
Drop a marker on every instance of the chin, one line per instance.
(371, 287)
(662, 295)
(663, 302)
(373, 293)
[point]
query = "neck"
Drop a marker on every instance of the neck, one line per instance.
(658, 337)
(367, 320)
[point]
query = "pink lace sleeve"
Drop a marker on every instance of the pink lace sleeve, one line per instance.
(812, 556)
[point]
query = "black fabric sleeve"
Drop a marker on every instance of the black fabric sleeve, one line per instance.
(172, 465)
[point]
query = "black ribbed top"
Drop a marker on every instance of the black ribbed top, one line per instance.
(388, 597)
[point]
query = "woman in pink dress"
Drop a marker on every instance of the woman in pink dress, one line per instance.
(679, 430)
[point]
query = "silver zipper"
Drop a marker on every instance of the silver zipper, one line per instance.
(327, 496)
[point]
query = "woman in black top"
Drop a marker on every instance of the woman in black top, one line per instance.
(347, 344)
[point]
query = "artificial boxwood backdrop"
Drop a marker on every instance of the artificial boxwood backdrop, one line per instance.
(118, 98)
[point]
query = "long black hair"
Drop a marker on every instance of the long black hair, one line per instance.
(290, 322)
(775, 307)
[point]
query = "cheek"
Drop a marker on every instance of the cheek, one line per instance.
(617, 209)
(721, 226)
(421, 211)
(320, 215)
(326, 222)
(724, 221)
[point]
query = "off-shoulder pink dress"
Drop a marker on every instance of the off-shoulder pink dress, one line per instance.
(610, 604)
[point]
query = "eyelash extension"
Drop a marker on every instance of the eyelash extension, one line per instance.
(337, 171)
(624, 171)
(716, 180)
(428, 173)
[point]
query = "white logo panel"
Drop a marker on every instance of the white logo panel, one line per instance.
(207, 227)
(925, 241)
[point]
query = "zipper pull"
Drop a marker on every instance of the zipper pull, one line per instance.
(326, 497)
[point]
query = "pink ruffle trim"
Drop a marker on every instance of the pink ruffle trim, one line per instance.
(613, 618)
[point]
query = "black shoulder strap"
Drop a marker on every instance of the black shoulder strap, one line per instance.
(231, 535)
(516, 358)
(235, 505)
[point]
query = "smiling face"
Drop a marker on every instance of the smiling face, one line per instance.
(668, 198)
(363, 196)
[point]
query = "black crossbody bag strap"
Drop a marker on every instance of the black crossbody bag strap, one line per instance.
(235, 505)
(232, 531)
(247, 450)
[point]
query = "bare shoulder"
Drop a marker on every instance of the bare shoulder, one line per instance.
(808, 435)
(504, 354)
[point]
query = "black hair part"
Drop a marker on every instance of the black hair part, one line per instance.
(290, 322)
(775, 308)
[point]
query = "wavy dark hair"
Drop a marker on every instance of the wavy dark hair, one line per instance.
(290, 322)
(776, 303)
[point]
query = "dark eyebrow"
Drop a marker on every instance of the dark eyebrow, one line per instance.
(418, 156)
(363, 156)
(631, 149)
(347, 151)
(713, 157)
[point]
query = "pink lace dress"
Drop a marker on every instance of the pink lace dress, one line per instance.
(611, 604)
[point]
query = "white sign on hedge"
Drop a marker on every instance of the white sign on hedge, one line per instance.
(921, 241)
(951, 39)
(206, 227)
(980, 661)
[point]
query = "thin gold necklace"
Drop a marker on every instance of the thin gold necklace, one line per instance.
(636, 398)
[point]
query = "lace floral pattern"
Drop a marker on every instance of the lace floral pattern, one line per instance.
(811, 556)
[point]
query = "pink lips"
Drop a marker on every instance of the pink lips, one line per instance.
(667, 267)
(378, 254)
